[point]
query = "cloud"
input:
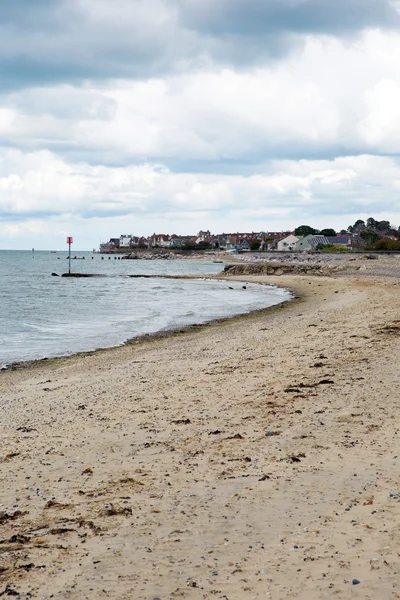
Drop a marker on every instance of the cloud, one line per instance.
(43, 184)
(222, 120)
(165, 113)
(263, 17)
(54, 41)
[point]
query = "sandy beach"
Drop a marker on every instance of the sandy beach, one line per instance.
(250, 459)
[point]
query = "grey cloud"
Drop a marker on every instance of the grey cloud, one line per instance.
(260, 17)
(71, 40)
(50, 41)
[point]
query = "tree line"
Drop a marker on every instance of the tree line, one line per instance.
(376, 235)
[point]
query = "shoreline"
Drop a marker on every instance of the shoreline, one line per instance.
(160, 334)
(251, 458)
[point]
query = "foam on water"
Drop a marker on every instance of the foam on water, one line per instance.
(43, 316)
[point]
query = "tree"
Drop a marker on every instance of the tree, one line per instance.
(328, 232)
(191, 245)
(255, 245)
(383, 226)
(369, 235)
(204, 246)
(351, 228)
(305, 230)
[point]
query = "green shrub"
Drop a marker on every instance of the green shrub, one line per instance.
(333, 248)
(387, 244)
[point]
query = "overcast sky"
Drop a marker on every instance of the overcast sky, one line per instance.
(171, 116)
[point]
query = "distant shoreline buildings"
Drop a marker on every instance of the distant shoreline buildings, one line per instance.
(243, 241)
(304, 238)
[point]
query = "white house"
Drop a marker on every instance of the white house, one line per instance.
(125, 241)
(288, 243)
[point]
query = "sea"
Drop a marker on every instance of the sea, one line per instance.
(43, 316)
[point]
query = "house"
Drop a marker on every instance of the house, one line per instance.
(308, 243)
(243, 246)
(109, 246)
(343, 241)
(161, 240)
(125, 240)
(287, 243)
(222, 241)
(178, 241)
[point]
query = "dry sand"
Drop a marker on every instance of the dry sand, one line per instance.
(145, 471)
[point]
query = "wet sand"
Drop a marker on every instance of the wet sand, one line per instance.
(255, 458)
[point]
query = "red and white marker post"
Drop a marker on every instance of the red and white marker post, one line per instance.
(69, 242)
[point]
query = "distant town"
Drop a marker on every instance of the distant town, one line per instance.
(368, 235)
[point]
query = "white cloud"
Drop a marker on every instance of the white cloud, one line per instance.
(381, 125)
(285, 193)
(332, 98)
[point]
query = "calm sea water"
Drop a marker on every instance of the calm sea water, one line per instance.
(44, 316)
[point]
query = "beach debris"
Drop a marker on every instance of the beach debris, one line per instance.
(55, 504)
(295, 458)
(394, 328)
(29, 566)
(272, 433)
(26, 429)
(60, 530)
(16, 539)
(9, 456)
(355, 581)
(112, 511)
(130, 480)
(5, 516)
(9, 591)
(87, 471)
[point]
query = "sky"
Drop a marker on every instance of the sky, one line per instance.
(172, 116)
